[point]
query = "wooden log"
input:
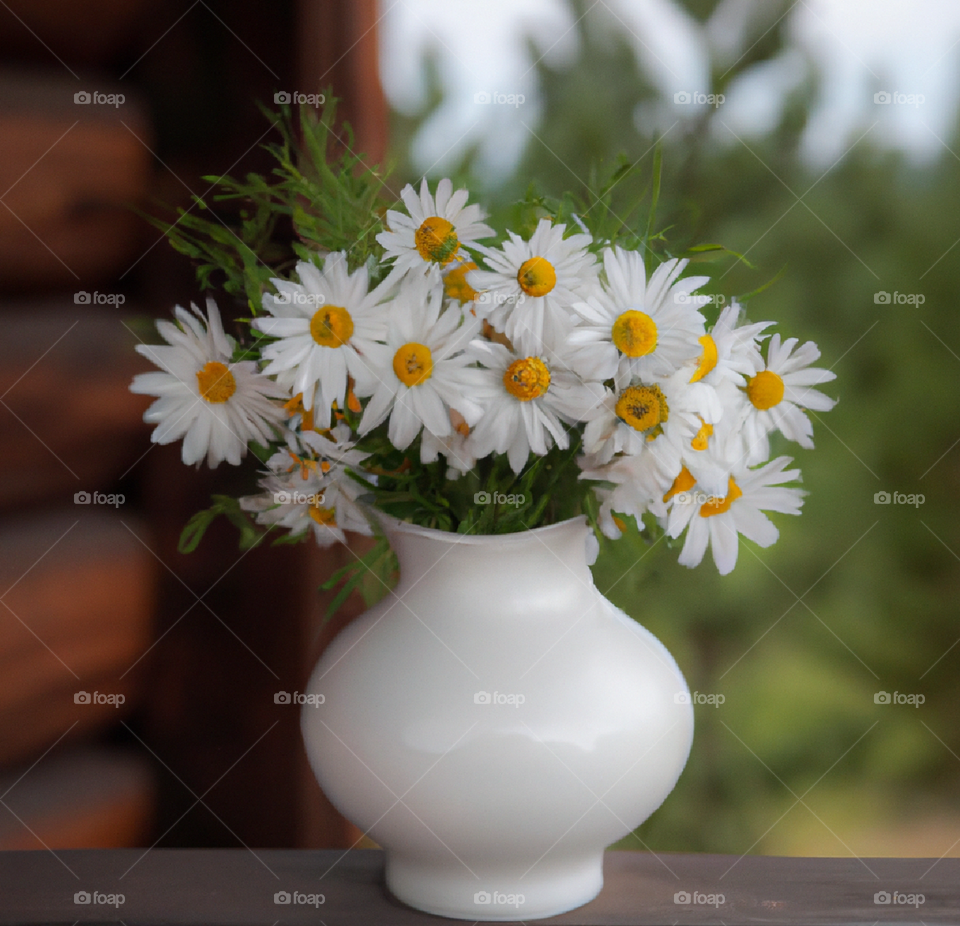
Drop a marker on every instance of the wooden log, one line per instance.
(68, 421)
(70, 171)
(88, 798)
(76, 609)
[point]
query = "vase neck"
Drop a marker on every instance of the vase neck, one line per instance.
(551, 557)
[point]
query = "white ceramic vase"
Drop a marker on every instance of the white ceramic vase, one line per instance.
(495, 723)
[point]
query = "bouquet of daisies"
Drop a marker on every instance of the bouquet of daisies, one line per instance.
(471, 382)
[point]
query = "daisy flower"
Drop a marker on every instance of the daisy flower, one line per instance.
(639, 485)
(453, 447)
(216, 406)
(635, 329)
(531, 286)
(525, 400)
(423, 368)
(729, 351)
(717, 521)
(326, 323)
(312, 493)
(660, 417)
(777, 395)
(435, 231)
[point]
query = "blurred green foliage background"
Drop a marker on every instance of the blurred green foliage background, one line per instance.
(857, 597)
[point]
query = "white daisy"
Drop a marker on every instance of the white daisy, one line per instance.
(716, 521)
(312, 493)
(531, 286)
(423, 369)
(525, 400)
(729, 351)
(453, 447)
(216, 406)
(662, 417)
(777, 395)
(300, 422)
(333, 450)
(326, 323)
(639, 485)
(435, 232)
(635, 329)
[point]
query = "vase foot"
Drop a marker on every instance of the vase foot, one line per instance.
(487, 893)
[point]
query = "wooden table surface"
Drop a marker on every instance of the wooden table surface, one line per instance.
(196, 887)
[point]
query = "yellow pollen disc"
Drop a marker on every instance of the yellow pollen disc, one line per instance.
(216, 383)
(331, 326)
(720, 505)
(621, 524)
(455, 283)
(644, 408)
(325, 516)
(765, 390)
(436, 240)
(703, 435)
(527, 379)
(536, 276)
(413, 364)
(708, 359)
(635, 334)
(683, 483)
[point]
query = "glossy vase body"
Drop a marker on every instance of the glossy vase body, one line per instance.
(494, 723)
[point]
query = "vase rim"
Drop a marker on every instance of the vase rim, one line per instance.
(391, 524)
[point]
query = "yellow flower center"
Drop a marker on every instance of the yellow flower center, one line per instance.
(708, 359)
(436, 240)
(765, 390)
(331, 326)
(683, 483)
(216, 383)
(644, 408)
(537, 276)
(527, 379)
(455, 283)
(413, 364)
(324, 516)
(720, 505)
(703, 435)
(635, 333)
